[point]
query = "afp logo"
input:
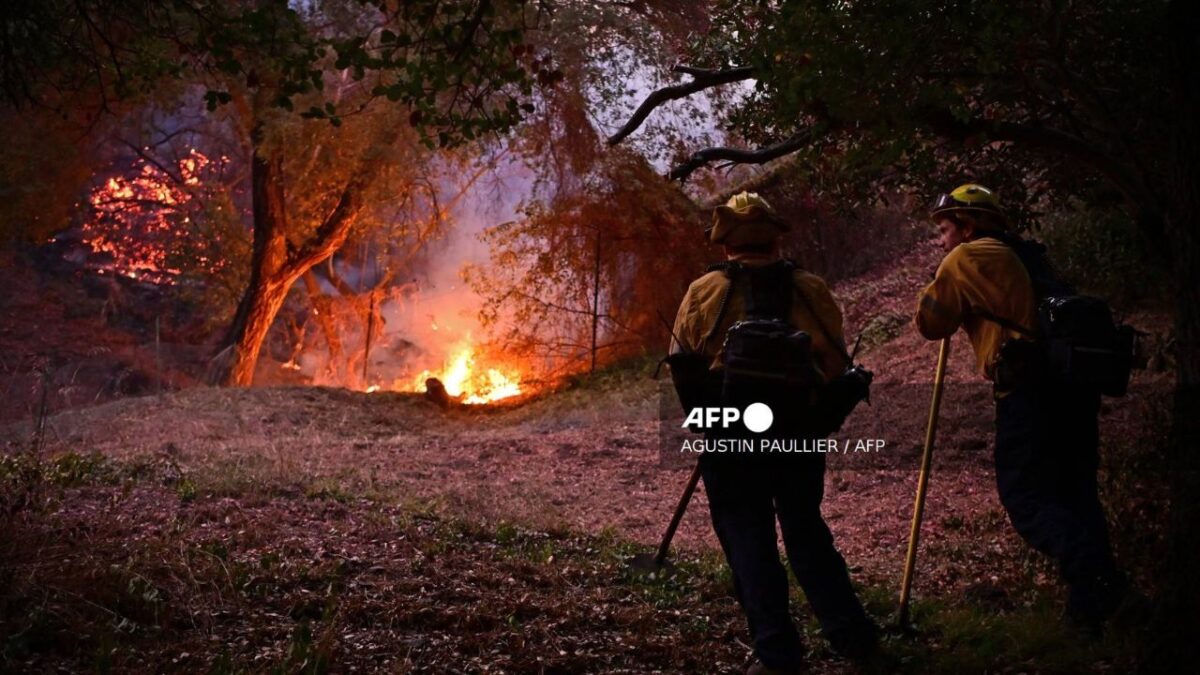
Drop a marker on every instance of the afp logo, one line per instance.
(757, 417)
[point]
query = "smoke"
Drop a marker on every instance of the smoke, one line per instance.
(426, 318)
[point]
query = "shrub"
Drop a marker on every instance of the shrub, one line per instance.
(1101, 251)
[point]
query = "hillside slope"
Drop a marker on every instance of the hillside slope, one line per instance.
(249, 471)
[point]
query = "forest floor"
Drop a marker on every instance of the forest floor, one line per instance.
(315, 529)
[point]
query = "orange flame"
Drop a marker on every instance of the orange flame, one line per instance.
(470, 383)
(137, 219)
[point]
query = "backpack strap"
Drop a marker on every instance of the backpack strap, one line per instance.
(1042, 275)
(1005, 323)
(837, 344)
(1046, 279)
(732, 270)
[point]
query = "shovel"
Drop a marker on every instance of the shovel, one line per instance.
(644, 562)
(910, 560)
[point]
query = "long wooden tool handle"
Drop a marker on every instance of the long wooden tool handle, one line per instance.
(680, 509)
(914, 534)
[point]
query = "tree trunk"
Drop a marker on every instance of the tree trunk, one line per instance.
(263, 302)
(367, 343)
(268, 286)
(1172, 636)
(595, 299)
(323, 308)
(1171, 639)
(275, 263)
(1176, 624)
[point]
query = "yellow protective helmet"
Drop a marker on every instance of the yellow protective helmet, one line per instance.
(969, 197)
(745, 219)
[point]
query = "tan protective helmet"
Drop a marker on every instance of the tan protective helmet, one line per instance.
(746, 219)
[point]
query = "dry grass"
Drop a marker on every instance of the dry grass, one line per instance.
(300, 529)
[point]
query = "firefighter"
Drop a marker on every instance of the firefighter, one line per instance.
(746, 494)
(1046, 432)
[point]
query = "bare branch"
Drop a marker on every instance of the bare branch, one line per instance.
(701, 79)
(173, 175)
(706, 156)
(1041, 138)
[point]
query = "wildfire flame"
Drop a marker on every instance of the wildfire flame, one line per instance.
(464, 378)
(137, 219)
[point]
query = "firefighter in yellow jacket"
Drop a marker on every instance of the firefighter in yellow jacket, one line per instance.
(1046, 432)
(746, 494)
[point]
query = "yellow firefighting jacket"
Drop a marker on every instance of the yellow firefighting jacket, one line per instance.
(701, 304)
(982, 274)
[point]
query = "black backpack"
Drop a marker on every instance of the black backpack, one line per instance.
(767, 360)
(764, 358)
(1080, 343)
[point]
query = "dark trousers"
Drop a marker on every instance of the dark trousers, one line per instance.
(746, 494)
(1046, 461)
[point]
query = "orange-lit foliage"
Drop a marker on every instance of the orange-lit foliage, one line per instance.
(139, 221)
(584, 277)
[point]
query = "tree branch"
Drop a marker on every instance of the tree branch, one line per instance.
(943, 123)
(702, 79)
(706, 156)
(173, 175)
(333, 231)
(1123, 176)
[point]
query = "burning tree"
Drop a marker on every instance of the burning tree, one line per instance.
(380, 268)
(449, 71)
(603, 244)
(446, 62)
(582, 278)
(141, 221)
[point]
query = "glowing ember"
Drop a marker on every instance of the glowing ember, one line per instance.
(462, 377)
(137, 220)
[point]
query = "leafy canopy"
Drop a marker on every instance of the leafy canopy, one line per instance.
(461, 66)
(921, 92)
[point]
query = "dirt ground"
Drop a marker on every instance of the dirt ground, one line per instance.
(587, 461)
(594, 458)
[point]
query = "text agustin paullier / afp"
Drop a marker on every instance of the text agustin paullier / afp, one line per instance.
(830, 446)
